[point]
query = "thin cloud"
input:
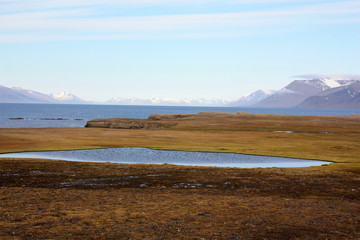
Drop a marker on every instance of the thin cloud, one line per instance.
(83, 23)
(21, 5)
(329, 76)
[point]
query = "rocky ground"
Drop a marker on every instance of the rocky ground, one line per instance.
(44, 199)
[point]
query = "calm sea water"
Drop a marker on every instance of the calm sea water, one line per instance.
(13, 115)
(149, 156)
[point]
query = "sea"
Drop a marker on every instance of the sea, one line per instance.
(17, 115)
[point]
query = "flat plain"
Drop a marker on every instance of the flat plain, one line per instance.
(50, 199)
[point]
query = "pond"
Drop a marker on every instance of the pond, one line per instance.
(150, 156)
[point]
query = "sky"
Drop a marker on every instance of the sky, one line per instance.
(100, 49)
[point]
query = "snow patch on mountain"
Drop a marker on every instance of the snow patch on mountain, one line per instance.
(20, 95)
(286, 91)
(331, 83)
(64, 96)
(252, 98)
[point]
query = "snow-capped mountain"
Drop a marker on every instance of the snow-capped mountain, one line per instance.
(346, 96)
(247, 100)
(252, 98)
(327, 83)
(66, 97)
(20, 95)
(168, 101)
(299, 90)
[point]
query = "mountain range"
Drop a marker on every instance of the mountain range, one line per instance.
(315, 93)
(167, 101)
(20, 95)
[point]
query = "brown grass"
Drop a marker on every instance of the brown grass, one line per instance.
(44, 199)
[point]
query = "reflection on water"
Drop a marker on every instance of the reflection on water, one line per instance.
(149, 156)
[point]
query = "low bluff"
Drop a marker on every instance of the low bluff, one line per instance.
(126, 123)
(240, 121)
(156, 121)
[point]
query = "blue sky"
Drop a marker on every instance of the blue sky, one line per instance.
(99, 49)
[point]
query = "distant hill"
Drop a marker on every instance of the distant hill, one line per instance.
(167, 101)
(19, 95)
(298, 91)
(252, 98)
(347, 96)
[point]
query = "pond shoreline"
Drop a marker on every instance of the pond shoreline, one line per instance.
(183, 158)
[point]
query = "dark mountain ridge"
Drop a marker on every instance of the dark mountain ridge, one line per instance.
(340, 97)
(298, 91)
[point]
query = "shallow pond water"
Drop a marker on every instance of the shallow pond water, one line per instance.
(149, 156)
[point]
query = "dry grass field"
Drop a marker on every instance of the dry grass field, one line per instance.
(48, 199)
